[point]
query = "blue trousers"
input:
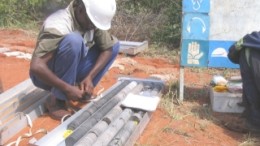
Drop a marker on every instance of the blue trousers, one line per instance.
(72, 62)
(251, 85)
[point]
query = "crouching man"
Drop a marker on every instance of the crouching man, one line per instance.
(74, 48)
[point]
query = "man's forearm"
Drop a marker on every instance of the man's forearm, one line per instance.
(40, 69)
(101, 62)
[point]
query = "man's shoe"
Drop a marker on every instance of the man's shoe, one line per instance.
(57, 108)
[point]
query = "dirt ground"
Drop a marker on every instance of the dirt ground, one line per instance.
(189, 123)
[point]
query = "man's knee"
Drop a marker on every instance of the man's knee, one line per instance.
(72, 42)
(73, 37)
(38, 83)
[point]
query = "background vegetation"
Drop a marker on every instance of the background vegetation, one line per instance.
(158, 21)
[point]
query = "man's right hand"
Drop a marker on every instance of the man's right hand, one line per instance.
(74, 93)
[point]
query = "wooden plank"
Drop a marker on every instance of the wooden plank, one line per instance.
(132, 48)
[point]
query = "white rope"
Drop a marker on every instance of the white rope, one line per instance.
(27, 135)
(65, 117)
(100, 91)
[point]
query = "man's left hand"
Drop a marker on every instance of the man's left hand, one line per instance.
(87, 85)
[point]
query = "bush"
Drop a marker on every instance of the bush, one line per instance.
(153, 20)
(20, 12)
(136, 20)
(17, 12)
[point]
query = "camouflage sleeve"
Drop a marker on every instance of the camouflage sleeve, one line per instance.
(238, 44)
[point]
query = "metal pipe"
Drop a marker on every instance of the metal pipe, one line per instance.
(138, 88)
(151, 89)
(112, 114)
(156, 90)
(95, 106)
(89, 138)
(123, 135)
(113, 129)
(88, 124)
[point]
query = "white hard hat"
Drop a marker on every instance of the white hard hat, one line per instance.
(100, 12)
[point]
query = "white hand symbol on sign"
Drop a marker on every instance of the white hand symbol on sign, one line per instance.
(194, 53)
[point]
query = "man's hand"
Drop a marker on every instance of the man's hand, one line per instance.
(74, 93)
(87, 86)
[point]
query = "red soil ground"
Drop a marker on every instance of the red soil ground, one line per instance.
(188, 124)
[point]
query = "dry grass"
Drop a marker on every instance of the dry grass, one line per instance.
(171, 104)
(250, 141)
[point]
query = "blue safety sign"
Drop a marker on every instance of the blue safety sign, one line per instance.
(199, 6)
(218, 51)
(194, 53)
(195, 26)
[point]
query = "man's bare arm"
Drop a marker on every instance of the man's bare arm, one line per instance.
(40, 69)
(102, 60)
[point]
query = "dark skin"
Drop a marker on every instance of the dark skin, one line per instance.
(40, 69)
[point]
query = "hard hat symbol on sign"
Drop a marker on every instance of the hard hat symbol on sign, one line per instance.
(100, 12)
